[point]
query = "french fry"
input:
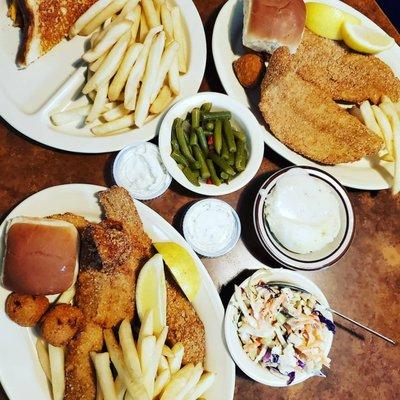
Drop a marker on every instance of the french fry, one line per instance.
(114, 7)
(162, 101)
(114, 126)
(43, 355)
(206, 380)
(368, 116)
(129, 350)
(145, 93)
(193, 381)
(385, 127)
(161, 381)
(147, 348)
(167, 24)
(146, 329)
(162, 365)
(150, 370)
(128, 7)
(165, 64)
(390, 111)
(99, 393)
(179, 36)
(176, 361)
(144, 28)
(94, 66)
(136, 23)
(109, 66)
(86, 17)
(177, 383)
(121, 76)
(116, 113)
(56, 358)
(133, 385)
(107, 41)
(150, 13)
(67, 296)
(98, 104)
(167, 352)
(67, 116)
(136, 74)
(101, 362)
(120, 389)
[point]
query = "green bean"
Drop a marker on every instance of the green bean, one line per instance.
(213, 173)
(174, 144)
(209, 126)
(206, 107)
(195, 118)
(193, 138)
(216, 115)
(224, 150)
(208, 133)
(191, 176)
(240, 159)
(186, 126)
(179, 158)
(218, 136)
(183, 144)
(204, 171)
(202, 140)
(222, 164)
(224, 176)
(231, 159)
(239, 135)
(230, 139)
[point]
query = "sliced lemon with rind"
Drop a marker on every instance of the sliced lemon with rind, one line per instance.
(182, 267)
(364, 39)
(151, 293)
(326, 21)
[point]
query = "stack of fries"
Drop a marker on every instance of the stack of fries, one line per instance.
(146, 370)
(384, 120)
(137, 52)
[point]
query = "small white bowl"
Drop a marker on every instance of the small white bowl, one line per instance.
(241, 115)
(323, 258)
(250, 368)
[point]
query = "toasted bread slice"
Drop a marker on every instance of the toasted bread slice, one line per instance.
(45, 24)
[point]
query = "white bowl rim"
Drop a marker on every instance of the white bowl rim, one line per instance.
(240, 114)
(266, 238)
(249, 367)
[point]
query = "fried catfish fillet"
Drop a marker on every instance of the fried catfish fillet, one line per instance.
(342, 73)
(78, 221)
(307, 120)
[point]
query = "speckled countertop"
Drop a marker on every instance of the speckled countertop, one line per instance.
(365, 284)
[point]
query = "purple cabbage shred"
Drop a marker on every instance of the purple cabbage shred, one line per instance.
(329, 324)
(275, 358)
(300, 363)
(266, 356)
(291, 376)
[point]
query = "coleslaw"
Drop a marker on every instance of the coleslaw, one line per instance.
(281, 328)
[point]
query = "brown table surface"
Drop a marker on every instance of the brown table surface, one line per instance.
(365, 284)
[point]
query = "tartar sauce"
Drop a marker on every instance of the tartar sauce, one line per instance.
(211, 227)
(302, 212)
(139, 169)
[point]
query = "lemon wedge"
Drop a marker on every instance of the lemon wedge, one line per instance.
(326, 21)
(151, 293)
(364, 39)
(182, 267)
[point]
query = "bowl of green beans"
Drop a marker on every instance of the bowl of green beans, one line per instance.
(211, 144)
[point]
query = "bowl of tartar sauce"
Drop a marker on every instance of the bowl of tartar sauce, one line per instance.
(303, 218)
(212, 227)
(140, 170)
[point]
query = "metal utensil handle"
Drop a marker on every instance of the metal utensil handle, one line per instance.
(362, 326)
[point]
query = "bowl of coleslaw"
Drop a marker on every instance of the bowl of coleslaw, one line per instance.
(279, 335)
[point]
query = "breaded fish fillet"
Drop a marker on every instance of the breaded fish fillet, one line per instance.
(184, 324)
(306, 119)
(343, 73)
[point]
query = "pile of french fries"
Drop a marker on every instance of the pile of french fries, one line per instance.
(384, 120)
(138, 50)
(147, 369)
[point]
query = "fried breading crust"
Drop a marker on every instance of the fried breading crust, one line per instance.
(184, 325)
(306, 119)
(79, 222)
(343, 73)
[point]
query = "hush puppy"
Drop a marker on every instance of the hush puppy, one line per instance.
(59, 325)
(26, 310)
(249, 69)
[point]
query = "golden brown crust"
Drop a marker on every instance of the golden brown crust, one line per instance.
(307, 120)
(249, 69)
(79, 222)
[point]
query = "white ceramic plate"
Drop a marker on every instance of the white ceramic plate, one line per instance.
(250, 368)
(241, 116)
(367, 174)
(53, 82)
(18, 361)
